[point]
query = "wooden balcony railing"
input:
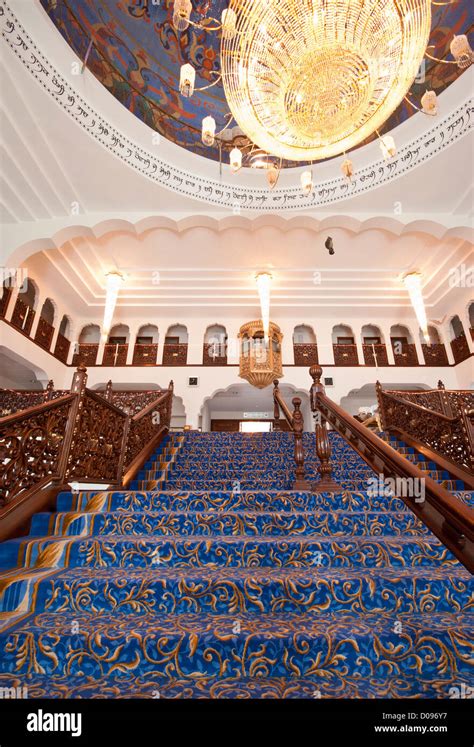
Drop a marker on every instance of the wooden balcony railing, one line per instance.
(305, 353)
(78, 436)
(447, 516)
(345, 355)
(61, 349)
(86, 354)
(23, 316)
(14, 400)
(214, 354)
(375, 355)
(460, 349)
(435, 355)
(145, 354)
(115, 355)
(5, 300)
(175, 354)
(44, 333)
(405, 354)
(131, 401)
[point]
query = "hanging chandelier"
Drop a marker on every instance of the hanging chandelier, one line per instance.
(307, 80)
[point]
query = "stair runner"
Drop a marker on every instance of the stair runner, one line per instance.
(210, 578)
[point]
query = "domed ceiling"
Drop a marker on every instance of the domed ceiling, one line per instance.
(137, 54)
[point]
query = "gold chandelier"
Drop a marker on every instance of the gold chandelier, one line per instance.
(307, 80)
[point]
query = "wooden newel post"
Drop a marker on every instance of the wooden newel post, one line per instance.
(49, 390)
(380, 402)
(323, 450)
(108, 391)
(323, 446)
(298, 426)
(276, 408)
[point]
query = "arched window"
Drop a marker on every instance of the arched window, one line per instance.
(215, 346)
(24, 311)
(146, 346)
(373, 345)
(45, 329)
(343, 345)
(459, 344)
(175, 349)
(404, 350)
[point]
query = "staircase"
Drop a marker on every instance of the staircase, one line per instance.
(210, 578)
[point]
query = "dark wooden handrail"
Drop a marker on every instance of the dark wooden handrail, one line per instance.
(448, 517)
(15, 417)
(281, 404)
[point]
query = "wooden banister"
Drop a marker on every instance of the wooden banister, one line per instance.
(448, 517)
(296, 423)
(77, 437)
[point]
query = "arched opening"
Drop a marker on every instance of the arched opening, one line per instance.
(22, 384)
(459, 344)
(175, 349)
(215, 346)
(373, 345)
(239, 404)
(305, 349)
(87, 346)
(63, 343)
(116, 347)
(24, 311)
(145, 352)
(45, 329)
(364, 399)
(403, 346)
(343, 345)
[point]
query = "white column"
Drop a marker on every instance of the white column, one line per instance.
(358, 342)
(132, 336)
(39, 306)
(444, 337)
(388, 343)
(196, 330)
(233, 353)
(324, 340)
(416, 339)
(287, 355)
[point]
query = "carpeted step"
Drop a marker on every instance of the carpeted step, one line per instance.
(238, 591)
(153, 685)
(188, 523)
(195, 645)
(225, 501)
(221, 551)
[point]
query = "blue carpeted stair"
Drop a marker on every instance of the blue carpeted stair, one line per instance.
(211, 578)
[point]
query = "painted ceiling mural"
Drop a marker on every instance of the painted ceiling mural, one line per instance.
(137, 54)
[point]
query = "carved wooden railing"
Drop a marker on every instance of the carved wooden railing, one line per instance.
(345, 355)
(44, 333)
(23, 316)
(86, 354)
(296, 422)
(447, 517)
(405, 354)
(214, 354)
(61, 349)
(115, 355)
(176, 354)
(131, 401)
(435, 355)
(460, 349)
(145, 354)
(375, 355)
(76, 437)
(305, 353)
(439, 419)
(5, 300)
(13, 400)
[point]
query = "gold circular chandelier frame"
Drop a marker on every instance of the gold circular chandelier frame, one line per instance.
(311, 79)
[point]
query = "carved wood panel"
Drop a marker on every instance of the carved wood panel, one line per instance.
(86, 354)
(375, 355)
(175, 354)
(61, 349)
(435, 355)
(5, 300)
(345, 355)
(405, 354)
(44, 333)
(145, 355)
(460, 349)
(214, 354)
(305, 353)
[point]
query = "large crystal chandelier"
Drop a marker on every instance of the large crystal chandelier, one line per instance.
(310, 79)
(307, 80)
